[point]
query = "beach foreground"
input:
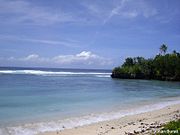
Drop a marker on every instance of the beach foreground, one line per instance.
(143, 123)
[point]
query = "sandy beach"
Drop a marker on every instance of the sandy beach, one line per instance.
(143, 123)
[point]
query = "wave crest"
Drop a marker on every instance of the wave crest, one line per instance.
(53, 73)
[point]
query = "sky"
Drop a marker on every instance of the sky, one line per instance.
(85, 33)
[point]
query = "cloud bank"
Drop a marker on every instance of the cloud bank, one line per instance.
(84, 58)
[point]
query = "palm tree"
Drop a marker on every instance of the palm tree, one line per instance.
(163, 49)
(174, 52)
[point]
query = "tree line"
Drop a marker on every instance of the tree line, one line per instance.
(164, 66)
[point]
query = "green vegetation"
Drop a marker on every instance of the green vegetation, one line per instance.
(171, 128)
(162, 67)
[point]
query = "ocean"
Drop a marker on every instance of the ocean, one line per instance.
(35, 100)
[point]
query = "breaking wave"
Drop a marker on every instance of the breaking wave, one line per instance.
(34, 128)
(53, 73)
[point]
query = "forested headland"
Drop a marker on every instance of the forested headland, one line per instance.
(164, 66)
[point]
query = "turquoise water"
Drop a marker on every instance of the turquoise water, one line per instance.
(39, 95)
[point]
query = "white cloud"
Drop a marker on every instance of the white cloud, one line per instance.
(66, 42)
(115, 10)
(82, 58)
(85, 57)
(123, 9)
(31, 57)
(26, 12)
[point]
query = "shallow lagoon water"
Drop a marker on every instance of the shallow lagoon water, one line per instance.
(40, 96)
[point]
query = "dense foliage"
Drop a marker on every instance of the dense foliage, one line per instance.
(162, 67)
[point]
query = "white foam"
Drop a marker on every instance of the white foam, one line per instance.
(34, 128)
(103, 76)
(49, 73)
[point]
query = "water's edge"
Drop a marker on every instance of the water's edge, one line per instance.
(34, 128)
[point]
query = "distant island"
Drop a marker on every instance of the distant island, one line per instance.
(163, 66)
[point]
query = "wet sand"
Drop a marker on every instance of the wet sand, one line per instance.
(143, 123)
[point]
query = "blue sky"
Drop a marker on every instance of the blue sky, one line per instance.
(85, 33)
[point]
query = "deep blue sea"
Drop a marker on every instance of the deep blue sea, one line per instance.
(45, 99)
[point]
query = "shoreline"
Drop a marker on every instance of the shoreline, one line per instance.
(63, 126)
(146, 122)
